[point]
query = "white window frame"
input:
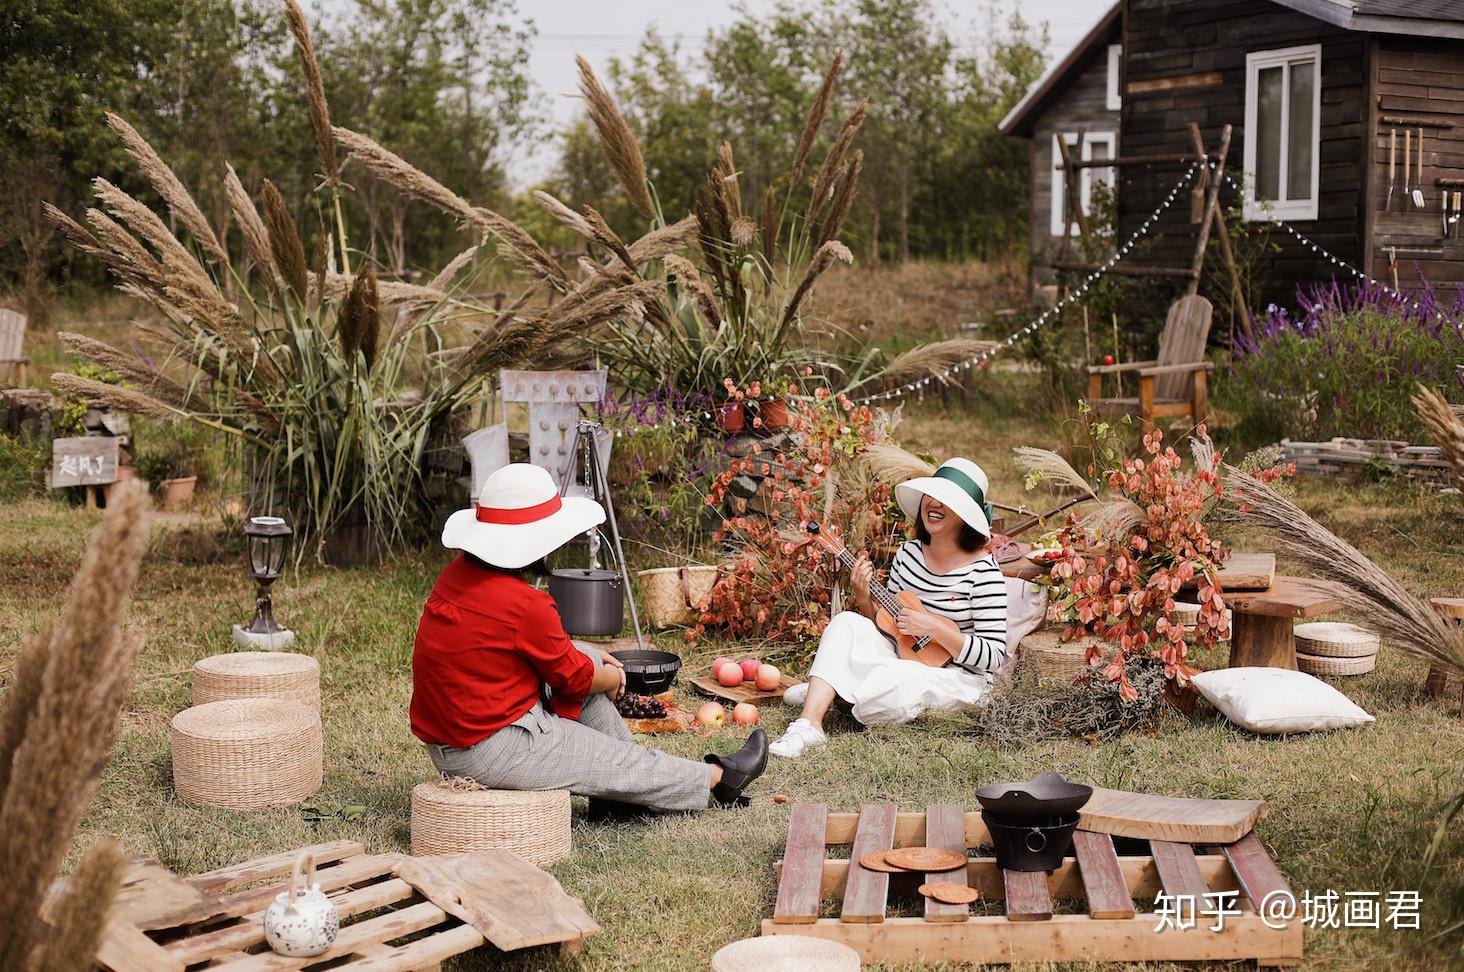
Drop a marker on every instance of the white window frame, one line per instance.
(1115, 98)
(1085, 187)
(1282, 58)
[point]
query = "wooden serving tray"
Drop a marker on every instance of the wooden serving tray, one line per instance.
(746, 692)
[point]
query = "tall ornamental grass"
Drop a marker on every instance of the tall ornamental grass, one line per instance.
(1347, 364)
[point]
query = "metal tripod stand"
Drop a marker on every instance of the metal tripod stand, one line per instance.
(584, 445)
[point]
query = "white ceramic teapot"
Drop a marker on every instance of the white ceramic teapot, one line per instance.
(302, 921)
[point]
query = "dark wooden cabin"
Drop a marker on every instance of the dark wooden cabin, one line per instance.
(1313, 90)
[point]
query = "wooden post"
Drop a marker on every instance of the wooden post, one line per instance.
(1211, 207)
(1260, 640)
(1200, 397)
(1222, 233)
(1146, 401)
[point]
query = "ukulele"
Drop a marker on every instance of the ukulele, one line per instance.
(925, 650)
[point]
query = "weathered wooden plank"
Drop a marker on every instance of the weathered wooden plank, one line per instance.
(1125, 814)
(509, 901)
(83, 460)
(1179, 873)
(125, 949)
(275, 865)
(419, 954)
(1027, 898)
(372, 931)
(798, 887)
(154, 897)
(1104, 884)
(945, 827)
(1258, 875)
(866, 894)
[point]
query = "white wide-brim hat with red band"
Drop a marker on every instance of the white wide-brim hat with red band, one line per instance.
(519, 518)
(961, 487)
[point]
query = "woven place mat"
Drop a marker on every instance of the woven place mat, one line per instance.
(927, 859)
(949, 892)
(875, 861)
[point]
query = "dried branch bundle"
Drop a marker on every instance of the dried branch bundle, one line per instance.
(59, 724)
(1400, 618)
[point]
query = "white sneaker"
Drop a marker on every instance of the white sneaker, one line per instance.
(801, 736)
(795, 694)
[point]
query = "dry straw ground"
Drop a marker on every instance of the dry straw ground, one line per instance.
(1349, 811)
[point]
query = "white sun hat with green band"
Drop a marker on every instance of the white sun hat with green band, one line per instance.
(960, 485)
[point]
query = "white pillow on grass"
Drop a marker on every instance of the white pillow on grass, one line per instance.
(1277, 700)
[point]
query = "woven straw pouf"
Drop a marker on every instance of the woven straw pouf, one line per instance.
(802, 952)
(1335, 639)
(1328, 665)
(459, 817)
(247, 754)
(257, 675)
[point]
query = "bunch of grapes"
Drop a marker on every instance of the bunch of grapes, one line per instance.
(640, 707)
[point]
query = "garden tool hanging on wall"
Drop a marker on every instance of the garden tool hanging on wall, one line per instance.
(1392, 166)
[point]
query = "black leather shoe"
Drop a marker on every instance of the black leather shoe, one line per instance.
(740, 768)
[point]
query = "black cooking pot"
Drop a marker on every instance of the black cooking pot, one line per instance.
(648, 671)
(1034, 845)
(1044, 795)
(590, 602)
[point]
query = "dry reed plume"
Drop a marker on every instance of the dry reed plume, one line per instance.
(936, 359)
(892, 465)
(824, 180)
(314, 90)
(816, 113)
(823, 258)
(1400, 618)
(284, 242)
(58, 723)
(1446, 425)
(169, 186)
(620, 145)
(251, 227)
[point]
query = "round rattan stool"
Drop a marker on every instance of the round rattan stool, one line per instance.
(1335, 639)
(247, 754)
(458, 817)
(802, 952)
(1053, 658)
(1328, 665)
(257, 675)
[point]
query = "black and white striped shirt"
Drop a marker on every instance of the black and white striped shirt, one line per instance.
(973, 596)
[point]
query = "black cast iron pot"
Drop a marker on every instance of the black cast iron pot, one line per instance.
(1044, 795)
(1034, 845)
(648, 671)
(590, 602)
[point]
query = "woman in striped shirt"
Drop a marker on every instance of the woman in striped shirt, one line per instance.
(950, 567)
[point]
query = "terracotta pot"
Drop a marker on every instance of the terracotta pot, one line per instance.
(177, 493)
(731, 416)
(774, 414)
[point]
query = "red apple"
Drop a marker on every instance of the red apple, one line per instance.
(767, 678)
(1108, 359)
(722, 660)
(730, 675)
(750, 667)
(712, 715)
(745, 714)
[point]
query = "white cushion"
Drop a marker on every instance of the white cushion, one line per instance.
(1277, 700)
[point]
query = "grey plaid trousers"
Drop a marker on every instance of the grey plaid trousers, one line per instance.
(595, 757)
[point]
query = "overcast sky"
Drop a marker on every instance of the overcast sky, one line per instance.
(602, 29)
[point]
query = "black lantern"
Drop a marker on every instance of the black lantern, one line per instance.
(269, 538)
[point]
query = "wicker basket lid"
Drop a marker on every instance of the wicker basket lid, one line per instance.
(246, 719)
(247, 663)
(803, 952)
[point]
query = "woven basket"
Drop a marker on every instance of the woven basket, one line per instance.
(670, 593)
(802, 952)
(247, 754)
(1335, 639)
(1327, 665)
(257, 675)
(1053, 658)
(450, 819)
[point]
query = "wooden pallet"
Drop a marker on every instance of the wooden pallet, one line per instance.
(1028, 928)
(1351, 457)
(398, 913)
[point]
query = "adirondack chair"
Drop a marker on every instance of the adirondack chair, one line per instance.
(12, 342)
(1176, 383)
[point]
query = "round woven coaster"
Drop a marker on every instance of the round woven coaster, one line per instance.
(875, 861)
(1324, 665)
(927, 859)
(949, 892)
(1335, 639)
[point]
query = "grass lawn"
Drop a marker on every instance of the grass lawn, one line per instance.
(1349, 810)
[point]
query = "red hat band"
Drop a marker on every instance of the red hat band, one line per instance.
(522, 515)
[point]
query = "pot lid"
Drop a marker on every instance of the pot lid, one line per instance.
(1044, 795)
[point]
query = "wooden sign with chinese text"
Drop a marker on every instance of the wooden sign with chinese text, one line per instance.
(86, 460)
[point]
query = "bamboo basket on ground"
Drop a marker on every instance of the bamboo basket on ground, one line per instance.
(456, 816)
(247, 754)
(1053, 658)
(671, 594)
(802, 952)
(257, 674)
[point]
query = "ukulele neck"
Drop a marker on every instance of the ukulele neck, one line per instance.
(879, 592)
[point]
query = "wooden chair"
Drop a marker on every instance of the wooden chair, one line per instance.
(12, 342)
(1176, 383)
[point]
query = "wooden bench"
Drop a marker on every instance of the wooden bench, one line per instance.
(1261, 621)
(1451, 608)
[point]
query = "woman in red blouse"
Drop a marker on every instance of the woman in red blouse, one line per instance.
(502, 696)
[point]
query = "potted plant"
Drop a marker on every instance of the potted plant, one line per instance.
(172, 471)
